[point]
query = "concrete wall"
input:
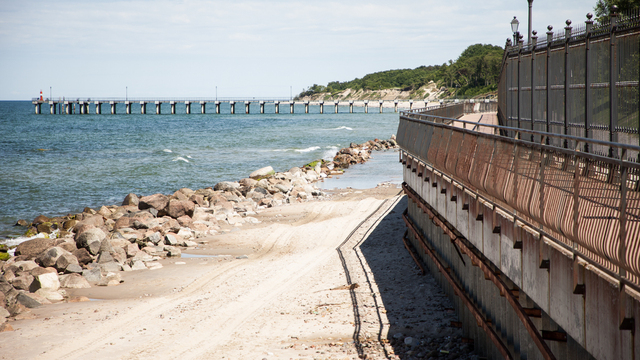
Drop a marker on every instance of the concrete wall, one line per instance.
(589, 319)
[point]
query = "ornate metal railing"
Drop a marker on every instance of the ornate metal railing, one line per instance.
(587, 203)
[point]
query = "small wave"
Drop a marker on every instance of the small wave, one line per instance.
(167, 151)
(312, 148)
(282, 150)
(180, 158)
(343, 128)
(330, 153)
(21, 239)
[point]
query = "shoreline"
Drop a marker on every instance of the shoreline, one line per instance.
(286, 285)
(94, 247)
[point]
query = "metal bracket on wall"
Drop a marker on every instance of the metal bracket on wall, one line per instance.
(466, 248)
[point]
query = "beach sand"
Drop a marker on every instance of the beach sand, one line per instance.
(281, 289)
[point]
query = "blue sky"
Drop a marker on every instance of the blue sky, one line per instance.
(246, 48)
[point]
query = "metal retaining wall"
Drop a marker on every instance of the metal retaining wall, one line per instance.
(533, 275)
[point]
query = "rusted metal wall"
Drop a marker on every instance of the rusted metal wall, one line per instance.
(581, 212)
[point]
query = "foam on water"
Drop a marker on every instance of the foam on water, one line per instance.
(342, 128)
(329, 153)
(312, 148)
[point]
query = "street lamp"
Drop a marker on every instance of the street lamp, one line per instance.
(529, 33)
(514, 28)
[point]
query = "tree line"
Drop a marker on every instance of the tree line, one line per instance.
(475, 72)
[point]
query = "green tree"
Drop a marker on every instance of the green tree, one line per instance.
(603, 7)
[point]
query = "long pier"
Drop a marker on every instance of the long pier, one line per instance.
(88, 105)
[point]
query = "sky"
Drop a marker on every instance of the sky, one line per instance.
(200, 48)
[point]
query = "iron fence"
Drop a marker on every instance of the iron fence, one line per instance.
(580, 81)
(588, 203)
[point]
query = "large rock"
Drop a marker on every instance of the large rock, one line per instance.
(185, 221)
(178, 208)
(83, 256)
(91, 240)
(155, 201)
(23, 282)
(198, 199)
(110, 279)
(170, 239)
(226, 186)
(74, 281)
(207, 193)
(65, 260)
(105, 257)
(32, 248)
(49, 257)
(69, 246)
(131, 250)
(48, 281)
(40, 270)
(93, 275)
(23, 266)
(95, 220)
(248, 182)
(131, 199)
(263, 172)
(137, 265)
(28, 300)
(73, 269)
(50, 295)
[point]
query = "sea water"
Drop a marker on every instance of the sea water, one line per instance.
(60, 164)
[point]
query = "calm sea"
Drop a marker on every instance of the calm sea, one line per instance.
(59, 164)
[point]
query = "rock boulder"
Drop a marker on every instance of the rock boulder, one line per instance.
(155, 201)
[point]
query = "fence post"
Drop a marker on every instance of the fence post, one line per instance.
(549, 41)
(587, 84)
(534, 42)
(519, 89)
(613, 79)
(567, 37)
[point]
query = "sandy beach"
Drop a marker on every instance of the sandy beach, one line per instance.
(326, 279)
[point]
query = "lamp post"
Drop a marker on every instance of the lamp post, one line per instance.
(529, 33)
(514, 28)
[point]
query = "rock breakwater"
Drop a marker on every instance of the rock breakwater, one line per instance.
(94, 247)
